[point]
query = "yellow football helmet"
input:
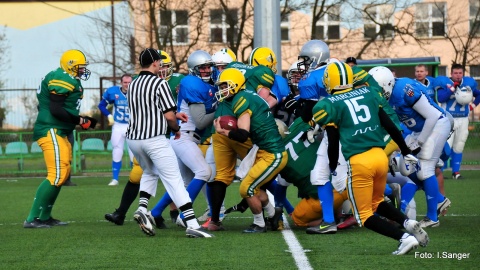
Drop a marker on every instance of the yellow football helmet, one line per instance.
(235, 81)
(75, 63)
(263, 56)
(337, 76)
(229, 52)
(166, 61)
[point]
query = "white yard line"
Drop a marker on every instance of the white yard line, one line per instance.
(298, 253)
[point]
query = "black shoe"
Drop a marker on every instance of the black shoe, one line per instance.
(173, 215)
(115, 217)
(254, 228)
(69, 184)
(54, 222)
(274, 221)
(35, 224)
(158, 221)
(236, 208)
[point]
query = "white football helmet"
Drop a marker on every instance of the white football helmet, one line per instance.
(200, 59)
(464, 95)
(384, 78)
(313, 54)
(221, 58)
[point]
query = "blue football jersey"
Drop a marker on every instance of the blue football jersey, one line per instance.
(429, 87)
(447, 98)
(311, 85)
(114, 95)
(405, 94)
(193, 90)
(280, 88)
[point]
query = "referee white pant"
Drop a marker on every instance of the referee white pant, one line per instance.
(157, 159)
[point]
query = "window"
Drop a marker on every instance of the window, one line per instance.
(377, 22)
(442, 70)
(284, 27)
(174, 26)
(475, 17)
(430, 19)
(328, 26)
(223, 25)
(475, 72)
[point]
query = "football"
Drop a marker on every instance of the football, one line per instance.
(228, 122)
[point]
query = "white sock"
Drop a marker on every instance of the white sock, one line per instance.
(270, 210)
(258, 219)
(193, 223)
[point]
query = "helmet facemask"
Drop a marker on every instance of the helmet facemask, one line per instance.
(203, 73)
(165, 71)
(226, 92)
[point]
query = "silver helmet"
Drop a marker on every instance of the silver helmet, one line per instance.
(199, 59)
(313, 54)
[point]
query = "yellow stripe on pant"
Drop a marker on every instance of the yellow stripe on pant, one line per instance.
(366, 180)
(57, 153)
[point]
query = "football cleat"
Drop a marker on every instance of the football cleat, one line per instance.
(181, 222)
(205, 216)
(413, 228)
(324, 228)
(215, 226)
(347, 223)
(406, 244)
(273, 221)
(115, 217)
(144, 222)
(54, 222)
(198, 233)
(457, 176)
(443, 206)
(427, 222)
(205, 225)
(396, 195)
(35, 224)
(113, 183)
(254, 228)
(159, 222)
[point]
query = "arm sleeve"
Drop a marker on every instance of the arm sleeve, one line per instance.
(102, 106)
(200, 117)
(57, 110)
(333, 145)
(307, 107)
(431, 115)
(394, 132)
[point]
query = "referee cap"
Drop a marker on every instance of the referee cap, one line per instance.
(351, 60)
(148, 56)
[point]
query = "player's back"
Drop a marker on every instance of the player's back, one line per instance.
(311, 85)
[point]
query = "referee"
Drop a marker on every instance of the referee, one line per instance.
(152, 112)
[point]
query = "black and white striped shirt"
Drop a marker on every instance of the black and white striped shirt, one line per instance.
(148, 98)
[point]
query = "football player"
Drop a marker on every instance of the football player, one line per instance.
(117, 96)
(196, 98)
(255, 121)
(456, 97)
(431, 126)
(59, 98)
(356, 112)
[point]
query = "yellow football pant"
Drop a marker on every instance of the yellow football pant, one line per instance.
(366, 182)
(57, 153)
(308, 210)
(226, 151)
(266, 166)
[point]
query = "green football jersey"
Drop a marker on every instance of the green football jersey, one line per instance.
(174, 82)
(360, 78)
(355, 114)
(263, 129)
(61, 83)
(302, 156)
(256, 77)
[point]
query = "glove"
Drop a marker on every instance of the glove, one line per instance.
(453, 87)
(310, 134)
(410, 159)
(333, 173)
(415, 147)
(290, 104)
(472, 106)
(88, 122)
(110, 120)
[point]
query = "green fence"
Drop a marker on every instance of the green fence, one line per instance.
(92, 152)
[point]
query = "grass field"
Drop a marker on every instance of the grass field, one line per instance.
(90, 242)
